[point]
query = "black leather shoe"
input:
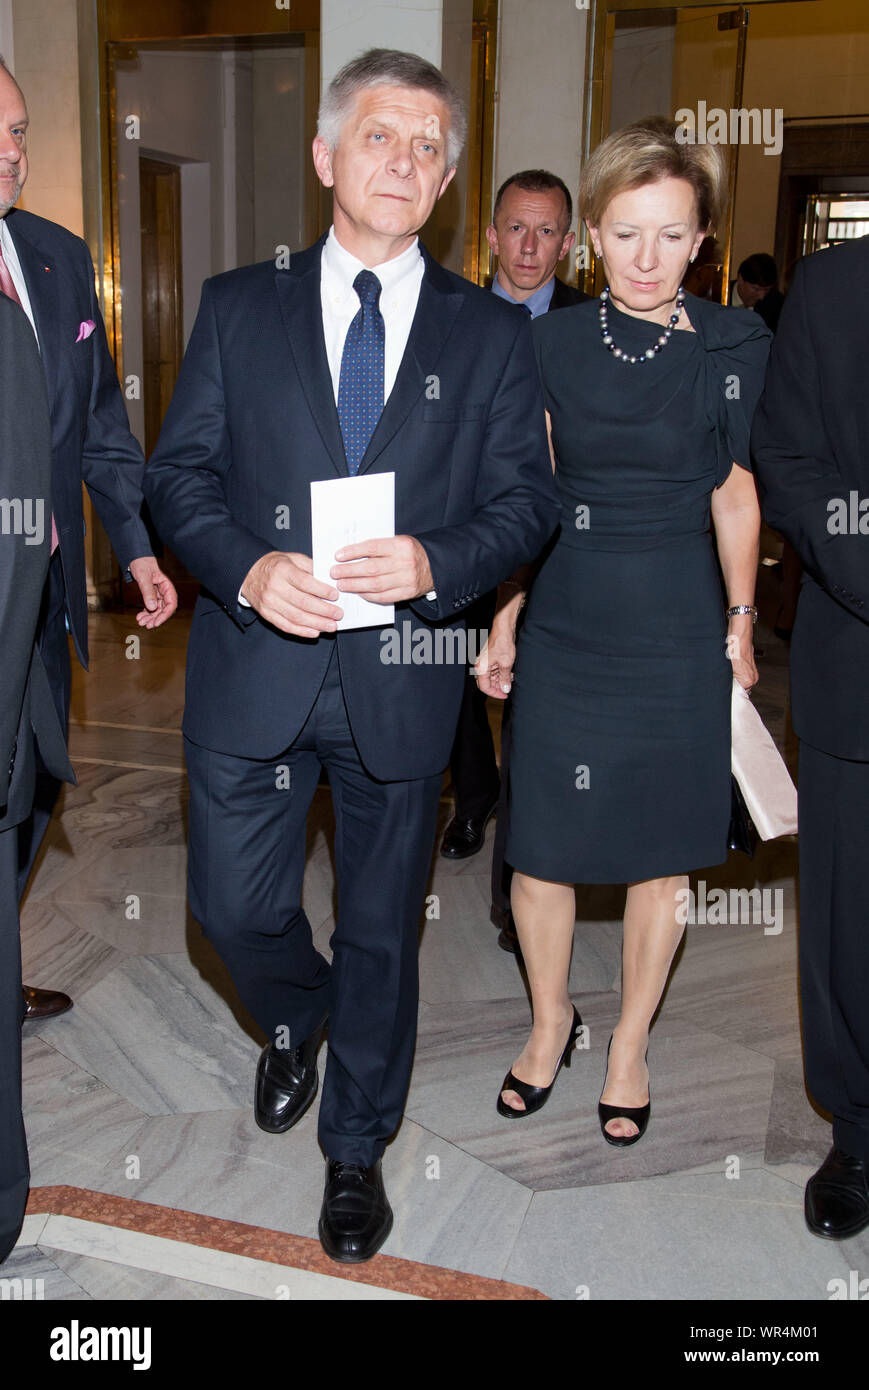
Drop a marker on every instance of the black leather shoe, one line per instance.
(44, 1003)
(837, 1196)
(286, 1083)
(462, 838)
(356, 1217)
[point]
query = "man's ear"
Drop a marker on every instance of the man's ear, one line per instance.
(448, 178)
(566, 245)
(492, 238)
(323, 161)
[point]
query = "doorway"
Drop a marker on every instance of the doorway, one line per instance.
(648, 57)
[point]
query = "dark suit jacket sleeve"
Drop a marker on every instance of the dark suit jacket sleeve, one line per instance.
(112, 462)
(184, 479)
(797, 472)
(25, 471)
(516, 504)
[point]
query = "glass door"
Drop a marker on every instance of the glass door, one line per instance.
(646, 57)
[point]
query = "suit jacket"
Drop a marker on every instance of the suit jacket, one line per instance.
(563, 296)
(27, 712)
(90, 433)
(769, 308)
(811, 446)
(253, 422)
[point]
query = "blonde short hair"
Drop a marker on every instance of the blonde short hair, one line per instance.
(645, 152)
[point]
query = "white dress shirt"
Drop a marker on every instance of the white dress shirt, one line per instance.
(401, 279)
(10, 256)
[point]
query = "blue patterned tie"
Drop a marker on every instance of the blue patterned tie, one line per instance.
(360, 386)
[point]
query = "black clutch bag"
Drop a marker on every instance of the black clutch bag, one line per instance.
(742, 834)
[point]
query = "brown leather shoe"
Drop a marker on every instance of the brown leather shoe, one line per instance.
(44, 1003)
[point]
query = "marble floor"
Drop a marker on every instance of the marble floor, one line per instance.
(143, 1146)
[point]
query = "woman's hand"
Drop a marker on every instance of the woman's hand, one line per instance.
(493, 668)
(740, 650)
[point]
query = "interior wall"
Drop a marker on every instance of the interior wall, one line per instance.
(541, 75)
(234, 123)
(349, 27)
(280, 151)
(822, 70)
(7, 35)
(45, 49)
(175, 97)
(642, 72)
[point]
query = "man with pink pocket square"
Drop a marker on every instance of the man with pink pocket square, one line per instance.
(49, 273)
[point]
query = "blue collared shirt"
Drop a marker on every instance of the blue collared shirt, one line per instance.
(537, 303)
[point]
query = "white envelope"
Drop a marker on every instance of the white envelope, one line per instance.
(345, 511)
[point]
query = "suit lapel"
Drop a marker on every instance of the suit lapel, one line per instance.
(43, 288)
(299, 296)
(435, 315)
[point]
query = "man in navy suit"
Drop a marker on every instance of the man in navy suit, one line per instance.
(363, 356)
(809, 441)
(28, 718)
(49, 273)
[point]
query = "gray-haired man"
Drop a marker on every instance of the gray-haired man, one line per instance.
(364, 357)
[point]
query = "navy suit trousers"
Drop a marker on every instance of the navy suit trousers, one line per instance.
(834, 955)
(53, 643)
(245, 870)
(14, 1170)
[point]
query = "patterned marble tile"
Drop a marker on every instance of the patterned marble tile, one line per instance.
(158, 1034)
(109, 1280)
(449, 1208)
(698, 1238)
(146, 690)
(157, 1058)
(710, 1096)
(103, 742)
(59, 952)
(798, 1132)
(42, 1276)
(202, 1266)
(741, 983)
(75, 1123)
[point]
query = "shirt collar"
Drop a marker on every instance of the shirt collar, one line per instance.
(343, 267)
(536, 303)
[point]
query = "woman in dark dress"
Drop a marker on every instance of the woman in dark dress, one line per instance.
(620, 768)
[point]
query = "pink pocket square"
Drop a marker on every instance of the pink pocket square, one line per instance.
(85, 330)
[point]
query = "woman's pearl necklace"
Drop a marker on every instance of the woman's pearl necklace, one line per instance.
(650, 352)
